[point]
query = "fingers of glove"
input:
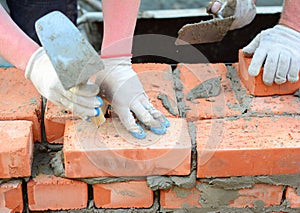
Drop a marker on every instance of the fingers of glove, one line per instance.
(282, 68)
(86, 90)
(87, 102)
(145, 117)
(252, 46)
(270, 67)
(257, 62)
(128, 121)
(79, 109)
(157, 115)
(293, 73)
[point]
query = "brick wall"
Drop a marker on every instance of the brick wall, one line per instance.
(230, 153)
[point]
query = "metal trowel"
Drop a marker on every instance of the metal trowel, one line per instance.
(73, 57)
(209, 31)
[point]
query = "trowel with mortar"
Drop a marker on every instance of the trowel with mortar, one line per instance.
(209, 31)
(72, 56)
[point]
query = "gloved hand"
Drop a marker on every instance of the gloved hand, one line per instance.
(120, 86)
(278, 48)
(81, 100)
(243, 11)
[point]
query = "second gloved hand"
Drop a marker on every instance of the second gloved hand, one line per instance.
(121, 86)
(278, 49)
(243, 11)
(81, 100)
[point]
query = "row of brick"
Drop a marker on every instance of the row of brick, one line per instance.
(135, 194)
(226, 147)
(20, 100)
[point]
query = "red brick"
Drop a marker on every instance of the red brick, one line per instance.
(220, 106)
(47, 192)
(11, 198)
(131, 194)
(54, 120)
(16, 148)
(112, 151)
(250, 146)
(256, 86)
(19, 99)
(180, 198)
(293, 197)
(161, 74)
(156, 79)
(279, 105)
(270, 195)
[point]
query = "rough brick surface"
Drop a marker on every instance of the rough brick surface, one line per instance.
(16, 148)
(19, 99)
(225, 104)
(250, 146)
(256, 86)
(131, 194)
(46, 192)
(179, 198)
(112, 151)
(268, 195)
(293, 197)
(278, 105)
(54, 120)
(11, 198)
(204, 196)
(157, 79)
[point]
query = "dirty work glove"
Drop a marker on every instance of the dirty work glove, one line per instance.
(243, 11)
(81, 100)
(120, 86)
(278, 48)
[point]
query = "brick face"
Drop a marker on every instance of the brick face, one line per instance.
(131, 194)
(46, 192)
(19, 99)
(268, 194)
(293, 197)
(245, 147)
(16, 149)
(112, 151)
(11, 198)
(220, 106)
(256, 86)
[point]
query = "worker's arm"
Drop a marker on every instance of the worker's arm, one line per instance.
(278, 48)
(17, 48)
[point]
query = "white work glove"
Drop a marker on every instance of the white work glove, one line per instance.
(120, 86)
(278, 49)
(81, 100)
(244, 11)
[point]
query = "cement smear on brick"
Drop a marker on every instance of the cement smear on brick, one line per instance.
(240, 92)
(206, 89)
(178, 86)
(167, 103)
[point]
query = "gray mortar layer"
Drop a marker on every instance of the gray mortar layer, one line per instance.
(166, 103)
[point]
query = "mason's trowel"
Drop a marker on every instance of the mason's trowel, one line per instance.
(72, 56)
(210, 31)
(213, 30)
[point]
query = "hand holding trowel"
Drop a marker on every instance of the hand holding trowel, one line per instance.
(73, 58)
(228, 15)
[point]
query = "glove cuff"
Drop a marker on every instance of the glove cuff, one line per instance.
(287, 30)
(35, 56)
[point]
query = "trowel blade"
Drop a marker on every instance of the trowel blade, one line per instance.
(72, 56)
(210, 31)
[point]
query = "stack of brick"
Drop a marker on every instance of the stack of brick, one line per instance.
(230, 153)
